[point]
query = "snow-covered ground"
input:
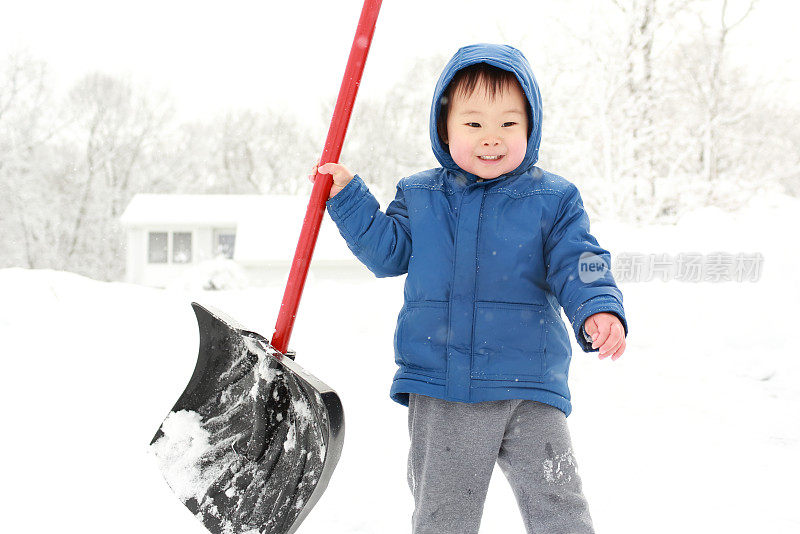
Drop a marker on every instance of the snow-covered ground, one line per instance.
(695, 429)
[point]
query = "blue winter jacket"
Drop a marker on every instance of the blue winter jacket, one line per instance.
(489, 263)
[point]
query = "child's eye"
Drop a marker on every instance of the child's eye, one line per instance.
(474, 124)
(509, 123)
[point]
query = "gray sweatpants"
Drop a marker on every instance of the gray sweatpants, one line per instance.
(454, 447)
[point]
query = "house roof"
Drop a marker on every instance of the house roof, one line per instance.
(267, 226)
(213, 210)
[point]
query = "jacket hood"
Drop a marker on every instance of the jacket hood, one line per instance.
(507, 58)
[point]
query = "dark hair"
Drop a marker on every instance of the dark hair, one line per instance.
(493, 79)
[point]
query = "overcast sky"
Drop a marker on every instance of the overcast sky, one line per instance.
(218, 55)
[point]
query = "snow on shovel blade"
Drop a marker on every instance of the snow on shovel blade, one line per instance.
(253, 440)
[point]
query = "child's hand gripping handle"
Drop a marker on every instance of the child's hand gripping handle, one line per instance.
(323, 182)
(341, 176)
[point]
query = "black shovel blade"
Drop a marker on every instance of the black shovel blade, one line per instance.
(253, 440)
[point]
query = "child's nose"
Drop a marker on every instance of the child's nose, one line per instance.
(491, 141)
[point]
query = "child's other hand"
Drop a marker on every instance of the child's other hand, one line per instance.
(341, 176)
(606, 332)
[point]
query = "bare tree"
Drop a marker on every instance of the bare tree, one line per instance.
(113, 130)
(643, 89)
(247, 152)
(27, 125)
(657, 97)
(389, 136)
(719, 102)
(605, 106)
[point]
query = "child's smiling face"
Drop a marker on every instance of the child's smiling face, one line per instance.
(488, 136)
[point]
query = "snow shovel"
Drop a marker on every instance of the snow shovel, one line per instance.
(250, 445)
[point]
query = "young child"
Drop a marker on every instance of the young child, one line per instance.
(493, 247)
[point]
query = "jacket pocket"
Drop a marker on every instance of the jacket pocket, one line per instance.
(508, 342)
(421, 336)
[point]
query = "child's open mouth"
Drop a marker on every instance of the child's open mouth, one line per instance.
(490, 159)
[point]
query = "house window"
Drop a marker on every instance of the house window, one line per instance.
(224, 243)
(162, 246)
(157, 247)
(181, 247)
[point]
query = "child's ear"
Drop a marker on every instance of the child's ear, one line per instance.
(441, 125)
(442, 131)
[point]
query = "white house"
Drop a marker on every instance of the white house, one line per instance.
(168, 235)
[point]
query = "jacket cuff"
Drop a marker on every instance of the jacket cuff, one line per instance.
(348, 199)
(604, 303)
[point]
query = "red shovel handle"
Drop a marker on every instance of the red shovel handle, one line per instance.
(322, 183)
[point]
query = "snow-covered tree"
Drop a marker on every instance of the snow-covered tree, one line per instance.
(654, 118)
(388, 136)
(27, 127)
(114, 125)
